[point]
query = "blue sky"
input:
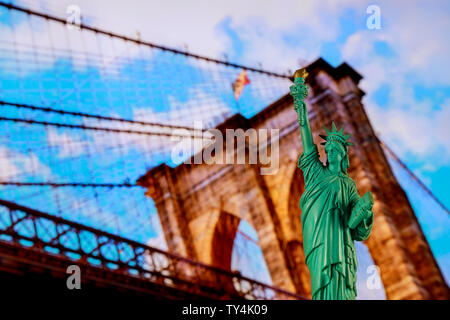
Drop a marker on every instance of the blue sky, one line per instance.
(404, 66)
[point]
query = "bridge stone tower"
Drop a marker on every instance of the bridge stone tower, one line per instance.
(200, 205)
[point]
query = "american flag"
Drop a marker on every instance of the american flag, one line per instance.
(240, 83)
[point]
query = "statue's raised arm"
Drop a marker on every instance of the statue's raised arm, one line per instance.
(299, 90)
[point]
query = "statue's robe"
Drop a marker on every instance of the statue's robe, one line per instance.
(328, 242)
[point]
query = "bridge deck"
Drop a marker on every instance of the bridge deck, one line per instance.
(36, 248)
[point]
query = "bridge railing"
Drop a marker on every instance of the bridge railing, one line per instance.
(49, 234)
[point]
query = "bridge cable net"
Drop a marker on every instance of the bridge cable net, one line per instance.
(432, 214)
(84, 113)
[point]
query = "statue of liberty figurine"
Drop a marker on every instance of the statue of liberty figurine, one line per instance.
(333, 214)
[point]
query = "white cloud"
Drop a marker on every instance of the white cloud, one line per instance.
(261, 26)
(7, 168)
(197, 109)
(418, 132)
(195, 23)
(420, 54)
(419, 57)
(68, 145)
(53, 40)
(15, 164)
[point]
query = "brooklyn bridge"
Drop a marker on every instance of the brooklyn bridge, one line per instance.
(90, 119)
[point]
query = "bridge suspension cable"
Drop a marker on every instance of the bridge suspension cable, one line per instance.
(89, 115)
(412, 175)
(145, 43)
(84, 127)
(96, 156)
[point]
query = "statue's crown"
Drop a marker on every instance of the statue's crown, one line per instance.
(335, 135)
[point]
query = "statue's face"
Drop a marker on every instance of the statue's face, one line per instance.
(335, 152)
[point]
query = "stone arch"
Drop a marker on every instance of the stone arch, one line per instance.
(222, 239)
(247, 256)
(294, 242)
(215, 242)
(184, 194)
(202, 229)
(213, 235)
(296, 189)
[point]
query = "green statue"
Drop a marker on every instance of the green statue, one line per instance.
(333, 214)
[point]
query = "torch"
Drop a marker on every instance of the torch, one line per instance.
(299, 90)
